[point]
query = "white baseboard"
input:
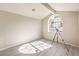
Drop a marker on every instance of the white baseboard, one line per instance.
(72, 44)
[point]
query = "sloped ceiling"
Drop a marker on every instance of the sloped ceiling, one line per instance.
(26, 9)
(65, 6)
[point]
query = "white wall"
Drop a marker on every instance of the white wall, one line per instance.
(70, 32)
(17, 29)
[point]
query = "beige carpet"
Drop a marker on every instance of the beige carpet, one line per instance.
(41, 47)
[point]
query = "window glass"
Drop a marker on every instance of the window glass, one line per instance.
(55, 22)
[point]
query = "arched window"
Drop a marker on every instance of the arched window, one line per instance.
(55, 23)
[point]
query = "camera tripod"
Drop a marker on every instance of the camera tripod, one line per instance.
(56, 36)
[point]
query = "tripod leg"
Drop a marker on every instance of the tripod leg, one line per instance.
(64, 43)
(57, 37)
(54, 36)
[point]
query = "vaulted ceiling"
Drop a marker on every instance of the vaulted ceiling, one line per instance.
(37, 10)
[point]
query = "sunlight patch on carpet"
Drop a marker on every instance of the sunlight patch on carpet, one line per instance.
(34, 47)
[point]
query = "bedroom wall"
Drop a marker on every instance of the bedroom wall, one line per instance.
(70, 26)
(16, 29)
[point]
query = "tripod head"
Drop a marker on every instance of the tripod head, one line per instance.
(57, 30)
